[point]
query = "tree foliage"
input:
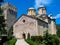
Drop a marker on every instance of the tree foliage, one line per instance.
(2, 23)
(31, 42)
(11, 42)
(58, 29)
(10, 33)
(47, 39)
(50, 39)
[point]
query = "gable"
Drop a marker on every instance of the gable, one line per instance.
(24, 19)
(25, 24)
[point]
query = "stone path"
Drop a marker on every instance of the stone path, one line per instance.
(21, 42)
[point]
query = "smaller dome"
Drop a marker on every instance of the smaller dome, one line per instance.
(51, 16)
(31, 8)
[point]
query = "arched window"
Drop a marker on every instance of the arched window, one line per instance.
(24, 36)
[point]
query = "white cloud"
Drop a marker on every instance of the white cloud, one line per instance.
(57, 16)
(44, 2)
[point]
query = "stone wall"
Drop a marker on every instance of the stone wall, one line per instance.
(25, 25)
(9, 13)
(42, 27)
(51, 26)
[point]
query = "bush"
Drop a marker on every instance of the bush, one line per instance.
(47, 39)
(11, 42)
(31, 42)
(37, 39)
(50, 39)
(55, 39)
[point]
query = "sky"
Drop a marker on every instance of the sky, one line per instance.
(52, 7)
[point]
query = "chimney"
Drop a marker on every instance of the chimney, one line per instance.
(31, 11)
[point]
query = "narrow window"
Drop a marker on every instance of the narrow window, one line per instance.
(23, 21)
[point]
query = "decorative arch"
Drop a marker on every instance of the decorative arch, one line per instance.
(24, 35)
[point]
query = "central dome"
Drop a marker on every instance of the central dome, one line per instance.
(31, 8)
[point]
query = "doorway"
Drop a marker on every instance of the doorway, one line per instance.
(24, 36)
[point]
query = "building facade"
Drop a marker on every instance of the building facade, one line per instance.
(34, 24)
(10, 13)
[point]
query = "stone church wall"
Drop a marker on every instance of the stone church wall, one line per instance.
(42, 27)
(25, 25)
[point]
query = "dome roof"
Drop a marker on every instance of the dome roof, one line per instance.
(51, 16)
(31, 8)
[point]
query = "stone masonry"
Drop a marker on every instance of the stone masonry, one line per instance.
(34, 24)
(10, 13)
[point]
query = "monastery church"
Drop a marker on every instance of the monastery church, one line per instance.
(34, 24)
(28, 24)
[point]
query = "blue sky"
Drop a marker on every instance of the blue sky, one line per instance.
(52, 6)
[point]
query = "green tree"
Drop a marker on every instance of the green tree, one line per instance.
(10, 33)
(2, 23)
(58, 29)
(11, 42)
(50, 39)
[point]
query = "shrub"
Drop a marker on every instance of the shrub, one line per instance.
(31, 42)
(37, 39)
(11, 42)
(50, 39)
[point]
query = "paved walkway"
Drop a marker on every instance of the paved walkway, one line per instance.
(21, 42)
